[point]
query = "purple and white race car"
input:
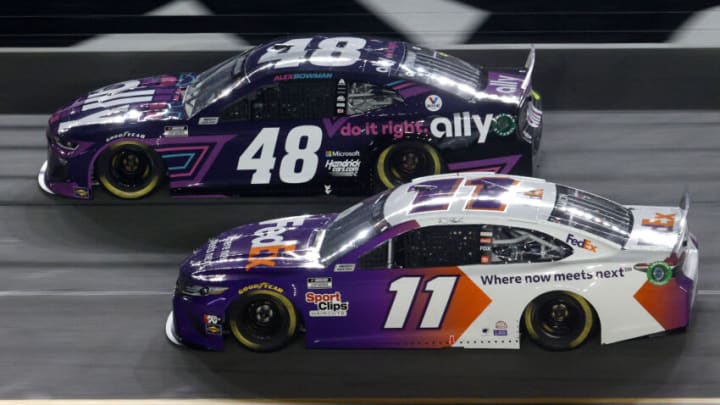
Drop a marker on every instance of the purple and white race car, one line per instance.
(320, 114)
(455, 260)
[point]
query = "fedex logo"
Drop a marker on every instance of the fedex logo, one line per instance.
(269, 242)
(582, 243)
(666, 221)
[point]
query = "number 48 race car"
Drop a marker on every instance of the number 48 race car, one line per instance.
(315, 114)
(455, 260)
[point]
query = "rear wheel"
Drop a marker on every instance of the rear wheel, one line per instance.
(129, 170)
(559, 320)
(263, 320)
(401, 162)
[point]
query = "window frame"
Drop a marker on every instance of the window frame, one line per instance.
(381, 87)
(280, 85)
(391, 253)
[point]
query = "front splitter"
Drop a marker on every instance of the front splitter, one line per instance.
(170, 331)
(41, 179)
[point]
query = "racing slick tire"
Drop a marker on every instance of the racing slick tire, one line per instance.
(559, 320)
(263, 320)
(401, 162)
(130, 170)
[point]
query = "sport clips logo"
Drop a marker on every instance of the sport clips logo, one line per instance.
(327, 304)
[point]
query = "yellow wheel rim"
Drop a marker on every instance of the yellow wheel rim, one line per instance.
(292, 324)
(584, 333)
(128, 194)
(380, 165)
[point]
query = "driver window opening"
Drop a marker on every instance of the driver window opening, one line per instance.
(290, 100)
(439, 246)
(363, 98)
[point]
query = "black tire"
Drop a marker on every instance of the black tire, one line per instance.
(263, 320)
(401, 162)
(559, 320)
(129, 170)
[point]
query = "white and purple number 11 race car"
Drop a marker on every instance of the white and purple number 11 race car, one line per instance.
(455, 260)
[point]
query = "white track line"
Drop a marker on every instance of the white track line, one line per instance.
(708, 292)
(117, 293)
(51, 293)
(373, 400)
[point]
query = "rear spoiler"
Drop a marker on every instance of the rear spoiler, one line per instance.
(684, 207)
(530, 66)
(682, 225)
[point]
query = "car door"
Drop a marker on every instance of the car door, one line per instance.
(405, 290)
(277, 141)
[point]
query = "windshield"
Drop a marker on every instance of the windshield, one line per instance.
(592, 213)
(354, 226)
(209, 84)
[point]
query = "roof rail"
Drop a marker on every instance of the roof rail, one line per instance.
(474, 174)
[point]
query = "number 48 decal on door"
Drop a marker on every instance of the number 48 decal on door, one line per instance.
(298, 165)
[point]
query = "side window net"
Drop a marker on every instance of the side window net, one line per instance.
(366, 97)
(376, 258)
(515, 245)
(261, 104)
(438, 246)
(290, 100)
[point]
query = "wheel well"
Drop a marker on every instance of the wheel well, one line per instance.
(596, 319)
(105, 148)
(377, 151)
(298, 314)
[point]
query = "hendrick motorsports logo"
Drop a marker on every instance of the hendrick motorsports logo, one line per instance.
(328, 304)
(343, 168)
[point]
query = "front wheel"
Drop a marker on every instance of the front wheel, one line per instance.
(263, 320)
(129, 170)
(401, 162)
(559, 320)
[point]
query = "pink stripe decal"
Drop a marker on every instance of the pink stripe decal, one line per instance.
(197, 160)
(413, 91)
(504, 162)
(402, 86)
(219, 143)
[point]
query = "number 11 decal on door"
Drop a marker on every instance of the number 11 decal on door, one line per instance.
(441, 290)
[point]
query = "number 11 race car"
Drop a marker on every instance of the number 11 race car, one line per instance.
(455, 260)
(322, 114)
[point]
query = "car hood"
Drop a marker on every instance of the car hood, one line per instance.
(156, 98)
(287, 243)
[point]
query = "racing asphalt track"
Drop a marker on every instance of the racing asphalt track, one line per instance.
(85, 287)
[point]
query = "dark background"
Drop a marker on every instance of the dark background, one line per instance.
(46, 69)
(64, 23)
